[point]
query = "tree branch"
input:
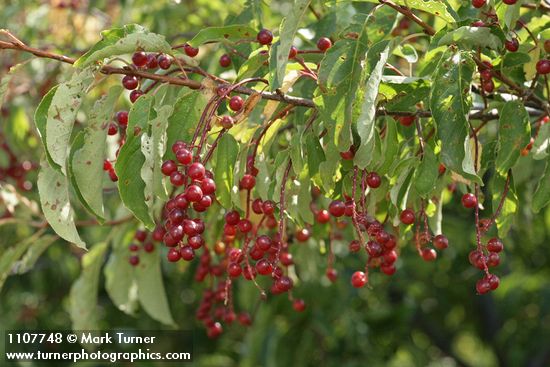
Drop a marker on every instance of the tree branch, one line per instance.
(428, 29)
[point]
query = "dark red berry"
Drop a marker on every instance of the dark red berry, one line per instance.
(478, 3)
(208, 186)
(225, 60)
(429, 254)
(263, 242)
(190, 50)
(107, 165)
(303, 235)
(495, 245)
(226, 122)
(149, 247)
(299, 305)
(293, 52)
(324, 44)
(193, 193)
(509, 2)
(543, 66)
(133, 247)
(469, 200)
(232, 218)
(168, 167)
(139, 59)
(406, 120)
(373, 180)
(234, 270)
(122, 118)
(441, 242)
(268, 207)
(264, 37)
(196, 171)
(407, 216)
(135, 94)
(112, 175)
(140, 235)
(348, 155)
(113, 129)
(488, 86)
(332, 274)
(173, 255)
(177, 179)
(323, 216)
(164, 62)
(494, 281)
(359, 279)
(134, 260)
(337, 208)
(354, 246)
(244, 225)
(512, 45)
(486, 75)
(257, 206)
(248, 182)
(184, 156)
(152, 62)
(483, 286)
(236, 103)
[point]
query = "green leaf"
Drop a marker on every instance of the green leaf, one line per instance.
(541, 198)
(6, 79)
(53, 189)
(87, 154)
(304, 198)
(472, 37)
(542, 143)
(514, 133)
(512, 59)
(427, 172)
(184, 119)
(36, 249)
(281, 48)
(509, 14)
(56, 115)
(130, 161)
(125, 40)
(435, 7)
(226, 156)
(254, 63)
(119, 273)
(315, 154)
(510, 205)
(10, 256)
(450, 103)
(390, 146)
(83, 296)
(376, 58)
(407, 52)
(150, 286)
(229, 33)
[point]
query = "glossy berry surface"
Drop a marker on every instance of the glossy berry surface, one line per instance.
(359, 279)
(324, 44)
(139, 59)
(469, 200)
(407, 216)
(264, 37)
(225, 60)
(543, 66)
(236, 103)
(373, 180)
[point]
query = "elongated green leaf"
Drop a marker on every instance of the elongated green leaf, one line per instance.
(328, 169)
(509, 207)
(54, 198)
(35, 250)
(427, 172)
(119, 274)
(315, 154)
(87, 154)
(541, 198)
(151, 292)
(450, 103)
(131, 160)
(226, 156)
(83, 297)
(377, 57)
(472, 37)
(542, 143)
(55, 116)
(304, 198)
(254, 63)
(10, 256)
(279, 50)
(514, 133)
(234, 32)
(186, 115)
(119, 41)
(390, 146)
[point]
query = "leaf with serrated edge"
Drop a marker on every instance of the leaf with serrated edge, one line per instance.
(234, 32)
(53, 189)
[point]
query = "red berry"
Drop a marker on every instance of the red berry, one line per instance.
(407, 216)
(164, 62)
(493, 259)
(323, 216)
(509, 2)
(494, 281)
(388, 269)
(299, 305)
(232, 218)
(149, 247)
(113, 129)
(486, 75)
(373, 180)
(478, 23)
(374, 249)
(140, 235)
(133, 247)
(134, 260)
(337, 208)
(283, 284)
(469, 200)
(152, 62)
(495, 245)
(208, 186)
(429, 254)
(107, 165)
(112, 175)
(173, 255)
(196, 171)
(215, 330)
(359, 279)
(324, 44)
(226, 122)
(303, 235)
(225, 61)
(168, 167)
(122, 118)
(483, 286)
(512, 45)
(390, 257)
(244, 225)
(488, 86)
(264, 267)
(543, 66)
(354, 246)
(187, 253)
(236, 103)
(406, 120)
(263, 242)
(184, 156)
(248, 182)
(264, 37)
(177, 179)
(478, 3)
(139, 59)
(268, 207)
(441, 242)
(193, 193)
(234, 270)
(257, 206)
(347, 155)
(293, 52)
(135, 94)
(190, 50)
(332, 274)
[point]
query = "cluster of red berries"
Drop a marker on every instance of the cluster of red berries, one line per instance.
(145, 243)
(141, 60)
(483, 261)
(15, 169)
(121, 118)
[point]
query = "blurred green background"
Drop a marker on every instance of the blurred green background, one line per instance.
(427, 314)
